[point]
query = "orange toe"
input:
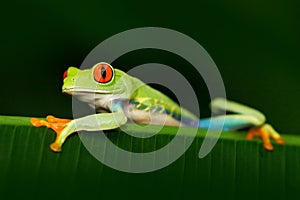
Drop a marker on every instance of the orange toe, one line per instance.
(268, 146)
(280, 141)
(51, 118)
(55, 147)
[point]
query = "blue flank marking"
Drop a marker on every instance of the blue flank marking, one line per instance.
(168, 112)
(116, 106)
(152, 108)
(159, 108)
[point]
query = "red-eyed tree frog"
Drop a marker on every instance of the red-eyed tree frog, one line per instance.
(125, 98)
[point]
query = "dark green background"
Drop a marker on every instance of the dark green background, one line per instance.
(255, 45)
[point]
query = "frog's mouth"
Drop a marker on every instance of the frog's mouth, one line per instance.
(85, 91)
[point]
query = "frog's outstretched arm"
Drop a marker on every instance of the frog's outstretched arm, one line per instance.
(64, 127)
(245, 117)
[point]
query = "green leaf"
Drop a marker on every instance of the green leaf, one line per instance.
(235, 168)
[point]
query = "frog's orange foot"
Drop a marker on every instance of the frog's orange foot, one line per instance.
(265, 132)
(55, 124)
(52, 122)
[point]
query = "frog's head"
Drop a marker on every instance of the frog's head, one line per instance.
(100, 79)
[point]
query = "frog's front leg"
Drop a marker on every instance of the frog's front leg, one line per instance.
(64, 127)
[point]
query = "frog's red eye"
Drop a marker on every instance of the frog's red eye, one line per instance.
(65, 74)
(103, 73)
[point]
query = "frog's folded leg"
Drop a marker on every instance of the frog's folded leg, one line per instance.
(244, 117)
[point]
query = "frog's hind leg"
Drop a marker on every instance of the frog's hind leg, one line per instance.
(244, 117)
(229, 122)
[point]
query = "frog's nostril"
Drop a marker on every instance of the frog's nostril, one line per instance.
(65, 74)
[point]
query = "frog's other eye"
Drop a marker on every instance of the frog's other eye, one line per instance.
(103, 73)
(65, 74)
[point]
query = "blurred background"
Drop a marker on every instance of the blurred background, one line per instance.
(254, 44)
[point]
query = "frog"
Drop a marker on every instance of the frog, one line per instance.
(119, 98)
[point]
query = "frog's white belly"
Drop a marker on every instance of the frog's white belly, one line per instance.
(98, 102)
